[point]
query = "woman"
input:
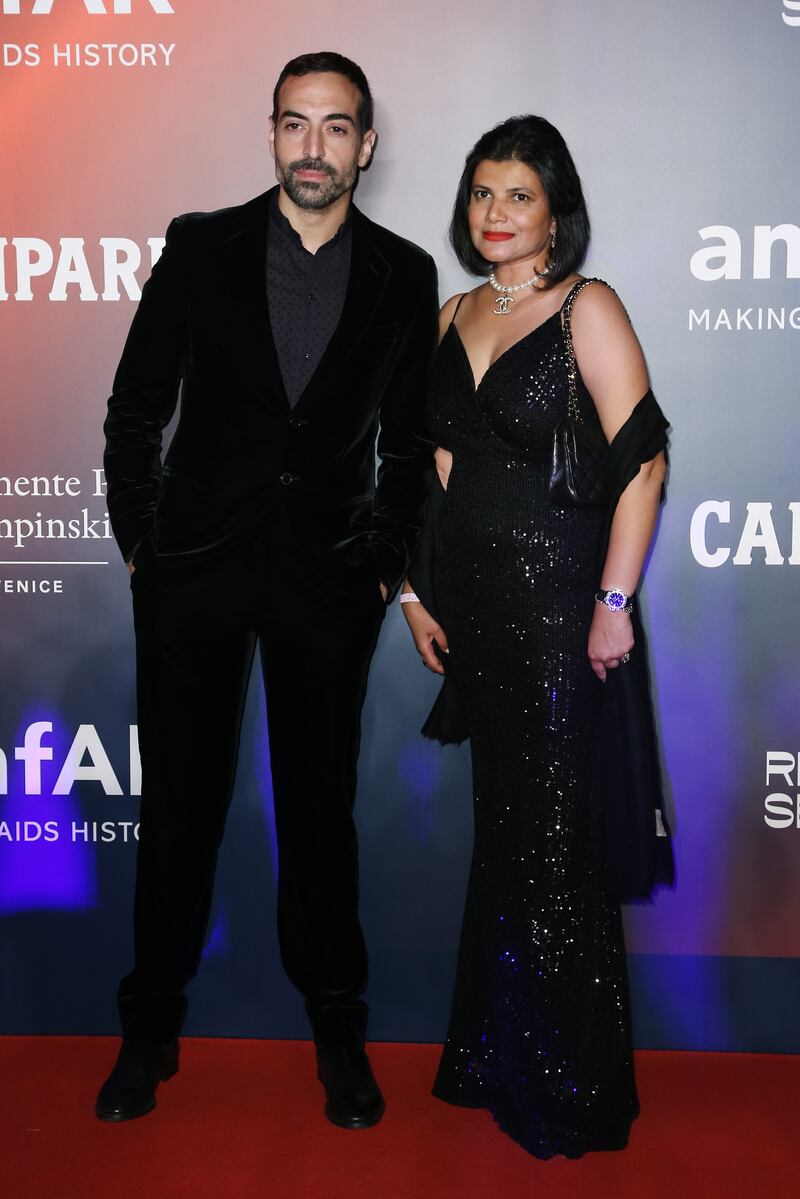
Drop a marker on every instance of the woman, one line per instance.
(535, 611)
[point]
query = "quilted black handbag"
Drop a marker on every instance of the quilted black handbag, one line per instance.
(579, 477)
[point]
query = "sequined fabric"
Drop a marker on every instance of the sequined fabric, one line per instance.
(539, 1031)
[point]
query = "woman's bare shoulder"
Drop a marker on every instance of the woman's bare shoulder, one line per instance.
(607, 348)
(598, 301)
(448, 309)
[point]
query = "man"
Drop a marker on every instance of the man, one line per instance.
(297, 328)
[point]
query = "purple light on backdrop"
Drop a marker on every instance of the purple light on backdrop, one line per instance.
(218, 944)
(50, 869)
(262, 772)
(418, 769)
(779, 698)
(688, 994)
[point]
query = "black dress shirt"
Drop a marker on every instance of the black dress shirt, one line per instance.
(305, 294)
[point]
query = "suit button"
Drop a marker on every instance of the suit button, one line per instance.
(294, 423)
(286, 478)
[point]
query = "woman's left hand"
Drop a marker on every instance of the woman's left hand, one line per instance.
(610, 637)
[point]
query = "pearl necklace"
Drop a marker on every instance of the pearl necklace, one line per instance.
(505, 299)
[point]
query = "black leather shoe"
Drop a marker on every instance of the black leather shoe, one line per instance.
(130, 1089)
(354, 1098)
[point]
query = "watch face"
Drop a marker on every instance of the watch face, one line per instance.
(616, 600)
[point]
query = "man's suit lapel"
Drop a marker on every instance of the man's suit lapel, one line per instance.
(245, 266)
(369, 275)
(245, 257)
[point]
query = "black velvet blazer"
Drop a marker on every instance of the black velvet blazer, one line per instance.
(240, 452)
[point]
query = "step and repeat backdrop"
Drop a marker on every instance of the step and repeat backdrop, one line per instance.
(682, 118)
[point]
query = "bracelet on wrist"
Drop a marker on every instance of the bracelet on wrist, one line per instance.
(615, 599)
(408, 597)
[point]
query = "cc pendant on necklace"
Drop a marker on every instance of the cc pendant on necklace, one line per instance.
(502, 305)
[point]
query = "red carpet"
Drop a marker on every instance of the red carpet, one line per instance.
(244, 1119)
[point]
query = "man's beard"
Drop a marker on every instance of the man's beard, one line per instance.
(313, 194)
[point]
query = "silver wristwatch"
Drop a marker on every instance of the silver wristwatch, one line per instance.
(615, 600)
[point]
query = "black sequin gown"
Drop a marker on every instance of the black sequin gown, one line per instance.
(539, 1031)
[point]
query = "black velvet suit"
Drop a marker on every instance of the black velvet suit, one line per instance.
(264, 528)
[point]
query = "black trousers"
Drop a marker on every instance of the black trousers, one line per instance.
(315, 624)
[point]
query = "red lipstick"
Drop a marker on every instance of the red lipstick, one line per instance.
(497, 236)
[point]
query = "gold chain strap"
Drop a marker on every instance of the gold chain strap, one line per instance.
(572, 368)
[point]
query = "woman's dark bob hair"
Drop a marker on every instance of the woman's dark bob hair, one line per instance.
(538, 144)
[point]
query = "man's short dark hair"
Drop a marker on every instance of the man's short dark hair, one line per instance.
(329, 60)
(538, 144)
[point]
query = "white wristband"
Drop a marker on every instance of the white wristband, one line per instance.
(408, 597)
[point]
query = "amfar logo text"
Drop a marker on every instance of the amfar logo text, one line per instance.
(757, 533)
(43, 8)
(791, 6)
(723, 258)
(726, 258)
(86, 744)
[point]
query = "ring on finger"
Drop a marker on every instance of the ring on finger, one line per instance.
(626, 657)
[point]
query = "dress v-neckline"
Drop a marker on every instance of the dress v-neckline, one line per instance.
(477, 386)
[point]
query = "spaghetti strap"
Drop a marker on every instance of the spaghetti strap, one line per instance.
(458, 305)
